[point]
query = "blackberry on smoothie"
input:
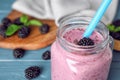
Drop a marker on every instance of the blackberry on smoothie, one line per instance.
(76, 58)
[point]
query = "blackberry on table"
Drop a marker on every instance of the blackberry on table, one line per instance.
(24, 32)
(44, 28)
(46, 55)
(18, 53)
(86, 42)
(18, 22)
(32, 72)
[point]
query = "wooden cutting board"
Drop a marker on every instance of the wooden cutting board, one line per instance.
(34, 41)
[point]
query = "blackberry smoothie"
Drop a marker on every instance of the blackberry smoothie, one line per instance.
(70, 61)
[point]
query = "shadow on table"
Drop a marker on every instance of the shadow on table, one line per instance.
(115, 67)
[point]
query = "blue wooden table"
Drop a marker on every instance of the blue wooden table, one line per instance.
(5, 8)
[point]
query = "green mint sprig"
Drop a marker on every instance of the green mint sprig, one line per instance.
(112, 28)
(12, 29)
(23, 19)
(117, 29)
(34, 22)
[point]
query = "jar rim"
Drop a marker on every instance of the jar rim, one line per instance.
(66, 21)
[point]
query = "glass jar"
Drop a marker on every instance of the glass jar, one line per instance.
(73, 62)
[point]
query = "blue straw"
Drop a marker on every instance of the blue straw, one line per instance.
(97, 18)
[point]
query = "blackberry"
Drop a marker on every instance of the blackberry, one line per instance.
(44, 28)
(18, 53)
(116, 35)
(46, 55)
(116, 23)
(24, 32)
(111, 33)
(18, 22)
(32, 72)
(86, 42)
(6, 21)
(2, 30)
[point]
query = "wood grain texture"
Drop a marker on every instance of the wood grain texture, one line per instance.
(116, 45)
(34, 41)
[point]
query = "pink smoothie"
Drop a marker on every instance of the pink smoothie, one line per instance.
(71, 66)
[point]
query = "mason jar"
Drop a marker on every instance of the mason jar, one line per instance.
(70, 61)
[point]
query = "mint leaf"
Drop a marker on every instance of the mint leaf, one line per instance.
(111, 27)
(12, 29)
(24, 19)
(34, 22)
(117, 29)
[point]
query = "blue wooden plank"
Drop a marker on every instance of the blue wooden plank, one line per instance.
(118, 11)
(6, 4)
